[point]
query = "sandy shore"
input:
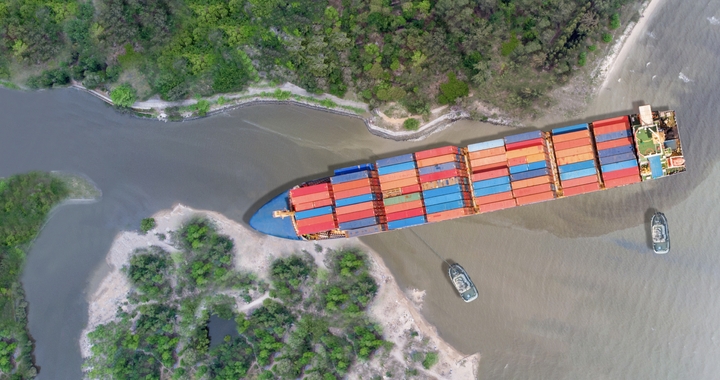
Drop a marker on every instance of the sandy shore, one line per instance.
(397, 312)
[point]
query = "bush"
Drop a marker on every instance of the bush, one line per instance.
(430, 360)
(123, 95)
(411, 124)
(202, 107)
(614, 21)
(592, 47)
(582, 59)
(452, 90)
(606, 37)
(147, 224)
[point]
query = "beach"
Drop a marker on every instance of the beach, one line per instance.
(398, 311)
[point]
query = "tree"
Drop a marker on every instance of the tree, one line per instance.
(411, 124)
(123, 95)
(452, 90)
(147, 224)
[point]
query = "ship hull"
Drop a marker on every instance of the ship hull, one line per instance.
(660, 233)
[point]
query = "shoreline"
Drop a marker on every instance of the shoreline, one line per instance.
(396, 311)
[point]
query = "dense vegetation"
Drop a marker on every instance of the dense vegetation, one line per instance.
(416, 52)
(25, 201)
(313, 324)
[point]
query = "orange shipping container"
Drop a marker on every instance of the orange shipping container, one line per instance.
(498, 205)
(311, 197)
(403, 206)
(570, 136)
(622, 181)
(353, 192)
(399, 183)
(535, 198)
(355, 184)
(537, 157)
(356, 216)
(574, 151)
(488, 160)
(580, 181)
(517, 161)
(358, 207)
(494, 198)
(486, 153)
(311, 205)
(525, 151)
(490, 174)
(399, 175)
(615, 143)
(530, 182)
(525, 191)
(315, 220)
(439, 160)
(449, 214)
(582, 189)
(574, 159)
(572, 144)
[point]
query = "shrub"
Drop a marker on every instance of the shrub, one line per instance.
(430, 360)
(202, 107)
(411, 124)
(614, 21)
(606, 37)
(123, 95)
(592, 47)
(147, 224)
(582, 59)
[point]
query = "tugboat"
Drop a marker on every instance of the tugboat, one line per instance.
(462, 282)
(660, 234)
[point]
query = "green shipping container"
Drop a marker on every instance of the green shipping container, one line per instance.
(402, 199)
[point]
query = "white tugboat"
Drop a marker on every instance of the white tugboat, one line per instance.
(660, 234)
(462, 282)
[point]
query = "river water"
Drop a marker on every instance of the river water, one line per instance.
(568, 289)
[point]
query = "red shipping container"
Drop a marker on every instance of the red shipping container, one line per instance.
(610, 128)
(570, 136)
(574, 151)
(494, 198)
(622, 181)
(498, 205)
(484, 168)
(486, 153)
(355, 184)
(403, 206)
(576, 158)
(309, 190)
(530, 182)
(356, 216)
(311, 197)
(488, 160)
(613, 120)
(423, 154)
(357, 207)
(312, 205)
(524, 144)
(580, 181)
(517, 161)
(441, 175)
(398, 176)
(572, 144)
(625, 141)
(582, 189)
(621, 173)
(398, 184)
(540, 197)
(490, 174)
(449, 214)
(315, 220)
(315, 228)
(530, 190)
(410, 189)
(405, 214)
(353, 192)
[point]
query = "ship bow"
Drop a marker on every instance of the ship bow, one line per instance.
(263, 220)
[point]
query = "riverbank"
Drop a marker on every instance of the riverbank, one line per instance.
(397, 313)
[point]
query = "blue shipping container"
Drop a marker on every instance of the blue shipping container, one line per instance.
(442, 191)
(439, 168)
(519, 168)
(396, 168)
(414, 221)
(364, 231)
(576, 166)
(395, 160)
(350, 177)
(537, 165)
(615, 151)
(491, 190)
(619, 166)
(572, 128)
(353, 169)
(504, 180)
(523, 137)
(313, 212)
(613, 135)
(616, 158)
(354, 200)
(445, 198)
(445, 206)
(486, 145)
(578, 174)
(359, 223)
(529, 174)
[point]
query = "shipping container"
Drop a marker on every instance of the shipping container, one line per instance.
(525, 144)
(538, 165)
(449, 214)
(315, 197)
(525, 151)
(486, 153)
(517, 161)
(444, 190)
(315, 220)
(352, 177)
(615, 143)
(441, 167)
(494, 198)
(613, 136)
(492, 190)
(446, 198)
(396, 168)
(412, 173)
(525, 191)
(580, 181)
(405, 214)
(571, 136)
(617, 158)
(616, 151)
(497, 205)
(490, 174)
(619, 165)
(523, 137)
(442, 175)
(442, 151)
(353, 169)
(402, 199)
(358, 207)
(313, 212)
(529, 174)
(530, 182)
(576, 166)
(613, 120)
(360, 223)
(410, 189)
(444, 182)
(576, 158)
(634, 171)
(537, 157)
(399, 183)
(355, 184)
(518, 168)
(621, 181)
(311, 205)
(585, 141)
(316, 228)
(484, 168)
(485, 145)
(364, 231)
(568, 129)
(582, 189)
(356, 199)
(577, 174)
(395, 160)
(402, 223)
(356, 215)
(403, 206)
(491, 182)
(574, 151)
(440, 160)
(535, 198)
(353, 192)
(309, 190)
(611, 128)
(447, 206)
(488, 160)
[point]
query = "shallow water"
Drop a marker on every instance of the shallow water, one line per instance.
(568, 289)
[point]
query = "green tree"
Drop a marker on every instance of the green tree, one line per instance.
(452, 90)
(123, 95)
(147, 224)
(411, 124)
(615, 21)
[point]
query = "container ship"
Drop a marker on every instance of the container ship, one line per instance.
(451, 182)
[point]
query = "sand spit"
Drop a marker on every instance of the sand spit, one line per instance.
(397, 312)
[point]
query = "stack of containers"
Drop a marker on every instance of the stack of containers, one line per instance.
(576, 159)
(616, 151)
(490, 176)
(356, 201)
(445, 184)
(400, 187)
(313, 208)
(531, 176)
